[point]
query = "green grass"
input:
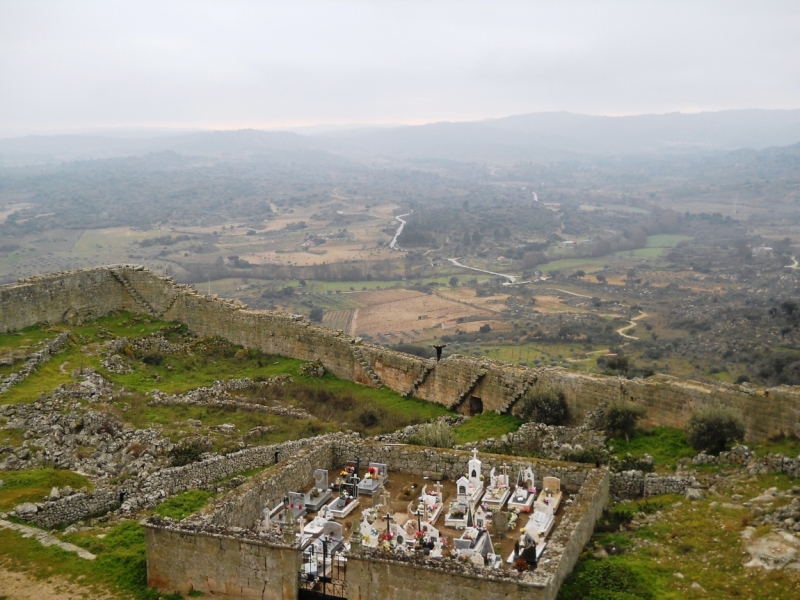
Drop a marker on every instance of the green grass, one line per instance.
(181, 506)
(486, 425)
(25, 337)
(587, 264)
(788, 446)
(665, 444)
(80, 351)
(665, 240)
(33, 485)
(11, 437)
(701, 542)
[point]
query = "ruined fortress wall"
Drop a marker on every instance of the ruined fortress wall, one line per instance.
(219, 565)
(91, 293)
(59, 297)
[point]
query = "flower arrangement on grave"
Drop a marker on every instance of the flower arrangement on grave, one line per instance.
(315, 493)
(521, 565)
(387, 536)
(370, 514)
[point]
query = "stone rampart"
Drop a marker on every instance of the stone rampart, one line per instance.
(454, 382)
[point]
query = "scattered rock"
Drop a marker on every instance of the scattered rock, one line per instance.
(694, 494)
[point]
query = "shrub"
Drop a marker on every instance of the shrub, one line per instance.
(368, 418)
(153, 358)
(187, 451)
(604, 580)
(543, 406)
(621, 417)
(713, 429)
(434, 435)
(594, 455)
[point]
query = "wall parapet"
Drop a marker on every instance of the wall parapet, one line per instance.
(75, 296)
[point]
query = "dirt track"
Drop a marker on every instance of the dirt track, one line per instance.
(21, 586)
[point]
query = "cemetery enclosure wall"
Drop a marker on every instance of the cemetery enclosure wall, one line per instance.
(372, 580)
(91, 293)
(219, 565)
(244, 506)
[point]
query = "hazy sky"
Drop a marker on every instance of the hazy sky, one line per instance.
(84, 64)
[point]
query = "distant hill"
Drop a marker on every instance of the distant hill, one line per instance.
(561, 135)
(36, 149)
(538, 136)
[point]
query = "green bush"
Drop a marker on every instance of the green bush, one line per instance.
(606, 580)
(543, 406)
(594, 455)
(621, 417)
(153, 358)
(714, 428)
(187, 451)
(434, 435)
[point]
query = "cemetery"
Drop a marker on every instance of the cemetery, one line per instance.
(310, 528)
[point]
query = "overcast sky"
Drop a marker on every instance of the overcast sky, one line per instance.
(94, 64)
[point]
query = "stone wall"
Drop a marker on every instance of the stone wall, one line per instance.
(178, 479)
(181, 557)
(576, 528)
(70, 509)
(452, 382)
(244, 507)
(451, 464)
(636, 484)
(219, 565)
(376, 580)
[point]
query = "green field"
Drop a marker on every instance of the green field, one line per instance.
(486, 425)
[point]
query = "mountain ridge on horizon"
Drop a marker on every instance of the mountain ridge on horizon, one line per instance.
(531, 136)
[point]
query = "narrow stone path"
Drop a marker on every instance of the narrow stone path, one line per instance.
(45, 539)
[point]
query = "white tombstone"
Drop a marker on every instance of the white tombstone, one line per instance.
(321, 479)
(437, 549)
(474, 470)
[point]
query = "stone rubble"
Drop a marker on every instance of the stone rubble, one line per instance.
(219, 395)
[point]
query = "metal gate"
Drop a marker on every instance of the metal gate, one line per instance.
(323, 572)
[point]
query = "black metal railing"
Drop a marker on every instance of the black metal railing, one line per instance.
(323, 572)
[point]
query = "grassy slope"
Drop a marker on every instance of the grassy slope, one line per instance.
(701, 542)
(486, 425)
(33, 485)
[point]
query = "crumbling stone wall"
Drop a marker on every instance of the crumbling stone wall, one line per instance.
(452, 382)
(636, 484)
(178, 479)
(72, 508)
